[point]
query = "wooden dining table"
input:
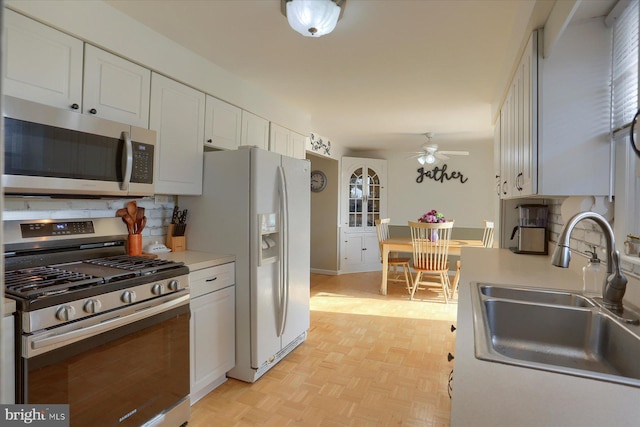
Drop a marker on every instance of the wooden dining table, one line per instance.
(404, 244)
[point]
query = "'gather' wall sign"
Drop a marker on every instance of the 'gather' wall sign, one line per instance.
(439, 175)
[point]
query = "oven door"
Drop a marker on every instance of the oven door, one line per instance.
(126, 374)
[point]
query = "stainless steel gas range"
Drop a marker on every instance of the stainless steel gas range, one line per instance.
(102, 331)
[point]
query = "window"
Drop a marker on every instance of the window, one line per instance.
(624, 106)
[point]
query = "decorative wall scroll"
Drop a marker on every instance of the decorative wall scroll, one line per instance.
(320, 144)
(440, 175)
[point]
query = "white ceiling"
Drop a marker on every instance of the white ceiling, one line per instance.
(390, 71)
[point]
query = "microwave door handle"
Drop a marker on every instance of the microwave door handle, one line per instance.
(127, 161)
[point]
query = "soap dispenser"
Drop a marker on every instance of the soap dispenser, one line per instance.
(592, 280)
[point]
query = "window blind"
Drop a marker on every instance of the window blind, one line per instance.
(625, 67)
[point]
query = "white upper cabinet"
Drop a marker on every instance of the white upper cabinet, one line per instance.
(287, 142)
(223, 124)
(41, 64)
(255, 130)
(115, 88)
(177, 114)
(279, 138)
(298, 146)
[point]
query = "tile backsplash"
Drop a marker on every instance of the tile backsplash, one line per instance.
(158, 211)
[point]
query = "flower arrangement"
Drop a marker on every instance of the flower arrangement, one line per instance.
(432, 216)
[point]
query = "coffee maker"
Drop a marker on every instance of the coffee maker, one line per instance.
(531, 231)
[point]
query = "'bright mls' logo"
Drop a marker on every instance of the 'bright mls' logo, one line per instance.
(36, 415)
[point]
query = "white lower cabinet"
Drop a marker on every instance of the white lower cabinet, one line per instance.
(8, 367)
(359, 252)
(212, 332)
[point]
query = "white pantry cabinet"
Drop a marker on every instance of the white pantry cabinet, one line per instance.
(223, 124)
(177, 115)
(115, 89)
(359, 252)
(41, 64)
(286, 142)
(255, 130)
(212, 331)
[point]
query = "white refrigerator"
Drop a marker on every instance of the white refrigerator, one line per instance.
(256, 206)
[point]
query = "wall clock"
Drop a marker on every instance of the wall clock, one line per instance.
(318, 181)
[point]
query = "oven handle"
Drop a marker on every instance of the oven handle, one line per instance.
(37, 345)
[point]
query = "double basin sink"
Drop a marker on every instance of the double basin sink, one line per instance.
(557, 331)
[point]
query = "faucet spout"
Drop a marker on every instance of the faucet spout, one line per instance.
(615, 283)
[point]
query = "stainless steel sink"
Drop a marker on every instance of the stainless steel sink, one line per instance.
(557, 331)
(536, 295)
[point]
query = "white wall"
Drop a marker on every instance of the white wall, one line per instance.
(467, 203)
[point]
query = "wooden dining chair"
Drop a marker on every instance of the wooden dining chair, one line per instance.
(487, 236)
(430, 252)
(382, 228)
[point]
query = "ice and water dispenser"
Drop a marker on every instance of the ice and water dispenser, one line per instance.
(531, 231)
(269, 250)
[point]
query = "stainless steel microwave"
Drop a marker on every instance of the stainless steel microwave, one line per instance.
(51, 151)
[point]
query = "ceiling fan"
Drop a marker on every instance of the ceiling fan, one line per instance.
(430, 154)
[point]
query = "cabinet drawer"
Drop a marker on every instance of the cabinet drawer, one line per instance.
(212, 279)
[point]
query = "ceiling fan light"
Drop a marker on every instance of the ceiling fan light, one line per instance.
(430, 159)
(313, 18)
(422, 159)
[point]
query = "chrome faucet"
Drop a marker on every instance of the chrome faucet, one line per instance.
(615, 283)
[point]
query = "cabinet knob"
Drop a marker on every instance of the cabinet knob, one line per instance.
(93, 111)
(210, 140)
(74, 106)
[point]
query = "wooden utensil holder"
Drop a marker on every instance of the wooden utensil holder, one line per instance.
(175, 243)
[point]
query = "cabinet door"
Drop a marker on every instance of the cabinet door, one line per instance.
(527, 155)
(279, 139)
(255, 130)
(298, 146)
(352, 250)
(177, 114)
(115, 88)
(212, 337)
(41, 64)
(363, 193)
(223, 123)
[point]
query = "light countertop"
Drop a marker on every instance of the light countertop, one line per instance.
(197, 260)
(493, 394)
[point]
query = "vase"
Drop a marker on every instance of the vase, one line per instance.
(434, 235)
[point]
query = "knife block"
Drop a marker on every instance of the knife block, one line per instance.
(175, 243)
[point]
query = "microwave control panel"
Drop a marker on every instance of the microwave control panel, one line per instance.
(142, 171)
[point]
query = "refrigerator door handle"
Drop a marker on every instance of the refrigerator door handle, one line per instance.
(284, 251)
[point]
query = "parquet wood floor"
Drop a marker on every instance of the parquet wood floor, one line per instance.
(369, 360)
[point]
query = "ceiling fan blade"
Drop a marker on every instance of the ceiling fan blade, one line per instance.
(457, 153)
(440, 156)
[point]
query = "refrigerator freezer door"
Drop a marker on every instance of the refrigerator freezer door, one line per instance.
(297, 175)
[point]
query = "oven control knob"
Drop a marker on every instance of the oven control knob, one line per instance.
(65, 313)
(128, 297)
(157, 289)
(92, 306)
(174, 285)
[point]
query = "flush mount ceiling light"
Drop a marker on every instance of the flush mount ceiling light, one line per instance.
(313, 18)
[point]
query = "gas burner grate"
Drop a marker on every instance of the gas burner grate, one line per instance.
(135, 263)
(40, 282)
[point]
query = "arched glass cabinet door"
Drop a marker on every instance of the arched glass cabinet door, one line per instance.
(364, 198)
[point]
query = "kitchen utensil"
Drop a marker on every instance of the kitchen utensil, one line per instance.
(121, 212)
(141, 224)
(132, 209)
(129, 221)
(174, 215)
